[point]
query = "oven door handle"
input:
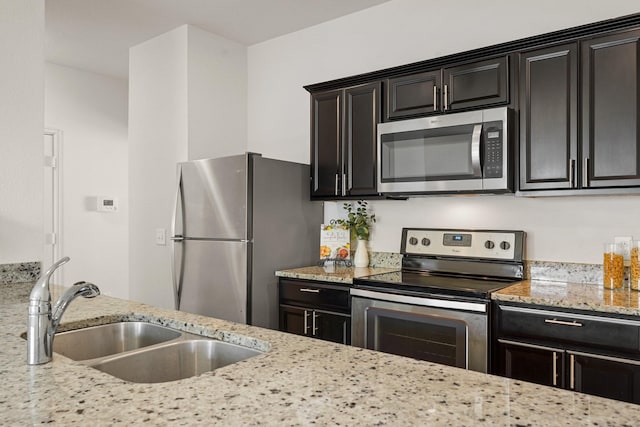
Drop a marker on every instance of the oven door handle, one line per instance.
(475, 151)
(479, 307)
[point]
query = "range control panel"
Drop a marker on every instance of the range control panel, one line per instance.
(484, 244)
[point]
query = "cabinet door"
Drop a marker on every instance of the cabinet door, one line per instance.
(533, 363)
(333, 327)
(548, 118)
(476, 84)
(604, 376)
(326, 136)
(295, 320)
(610, 108)
(362, 114)
(413, 95)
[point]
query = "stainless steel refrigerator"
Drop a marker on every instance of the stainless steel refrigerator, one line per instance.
(236, 221)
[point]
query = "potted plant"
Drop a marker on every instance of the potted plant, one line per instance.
(359, 222)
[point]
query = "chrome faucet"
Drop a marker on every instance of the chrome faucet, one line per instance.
(42, 321)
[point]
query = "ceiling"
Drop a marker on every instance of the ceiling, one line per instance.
(95, 35)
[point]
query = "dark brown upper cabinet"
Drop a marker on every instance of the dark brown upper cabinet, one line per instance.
(579, 116)
(610, 110)
(343, 141)
(549, 118)
(460, 87)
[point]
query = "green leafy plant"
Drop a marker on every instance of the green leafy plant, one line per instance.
(358, 219)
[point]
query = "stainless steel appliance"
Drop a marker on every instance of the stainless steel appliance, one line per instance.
(437, 307)
(461, 152)
(236, 220)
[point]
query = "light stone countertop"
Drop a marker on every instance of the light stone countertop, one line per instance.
(577, 296)
(334, 275)
(298, 381)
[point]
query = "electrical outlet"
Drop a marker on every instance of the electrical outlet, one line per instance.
(625, 242)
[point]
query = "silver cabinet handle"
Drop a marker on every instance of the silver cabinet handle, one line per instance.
(572, 373)
(446, 97)
(572, 172)
(435, 98)
(336, 191)
(563, 322)
(312, 291)
(585, 173)
(315, 329)
(306, 323)
(344, 184)
(555, 368)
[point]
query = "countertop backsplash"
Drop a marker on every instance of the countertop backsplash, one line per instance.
(534, 270)
(20, 272)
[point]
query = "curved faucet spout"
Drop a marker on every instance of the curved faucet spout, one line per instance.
(42, 323)
(79, 289)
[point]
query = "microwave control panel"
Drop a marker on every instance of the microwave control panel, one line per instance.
(493, 156)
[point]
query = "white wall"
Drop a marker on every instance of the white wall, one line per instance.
(91, 111)
(21, 129)
(187, 100)
(217, 79)
(403, 31)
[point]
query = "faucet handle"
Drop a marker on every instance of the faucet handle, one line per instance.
(55, 266)
(40, 290)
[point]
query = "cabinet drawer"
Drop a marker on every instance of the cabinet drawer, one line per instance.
(315, 295)
(579, 329)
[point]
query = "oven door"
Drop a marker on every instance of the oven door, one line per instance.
(452, 333)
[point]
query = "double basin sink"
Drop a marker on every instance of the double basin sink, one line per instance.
(142, 352)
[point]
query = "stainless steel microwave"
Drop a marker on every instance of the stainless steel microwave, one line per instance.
(454, 153)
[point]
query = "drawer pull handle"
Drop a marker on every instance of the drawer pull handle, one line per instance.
(563, 322)
(313, 291)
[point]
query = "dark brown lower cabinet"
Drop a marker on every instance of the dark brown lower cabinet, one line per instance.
(315, 309)
(595, 355)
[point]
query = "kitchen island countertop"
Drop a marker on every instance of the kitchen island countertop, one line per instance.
(298, 381)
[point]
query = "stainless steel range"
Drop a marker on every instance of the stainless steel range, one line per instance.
(437, 307)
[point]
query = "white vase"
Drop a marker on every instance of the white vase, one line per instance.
(361, 257)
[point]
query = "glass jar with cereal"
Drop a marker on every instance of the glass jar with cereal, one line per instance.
(634, 269)
(613, 266)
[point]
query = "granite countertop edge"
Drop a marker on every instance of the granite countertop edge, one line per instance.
(297, 381)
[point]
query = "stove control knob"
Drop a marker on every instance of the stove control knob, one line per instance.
(426, 242)
(505, 245)
(489, 244)
(413, 241)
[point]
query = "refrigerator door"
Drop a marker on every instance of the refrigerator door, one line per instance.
(214, 278)
(214, 199)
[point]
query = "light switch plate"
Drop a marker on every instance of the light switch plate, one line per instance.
(161, 239)
(625, 242)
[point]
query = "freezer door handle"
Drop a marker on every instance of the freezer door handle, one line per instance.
(177, 265)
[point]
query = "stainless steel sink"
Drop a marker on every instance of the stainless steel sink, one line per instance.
(142, 352)
(175, 361)
(113, 338)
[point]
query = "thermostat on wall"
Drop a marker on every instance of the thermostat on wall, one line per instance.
(106, 204)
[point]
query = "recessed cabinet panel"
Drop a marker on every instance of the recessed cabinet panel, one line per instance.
(362, 114)
(412, 95)
(548, 117)
(601, 376)
(326, 129)
(611, 97)
(477, 84)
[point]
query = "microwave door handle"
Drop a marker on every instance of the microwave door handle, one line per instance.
(475, 150)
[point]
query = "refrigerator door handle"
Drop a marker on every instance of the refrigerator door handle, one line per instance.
(177, 270)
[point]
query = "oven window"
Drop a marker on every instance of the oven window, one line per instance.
(432, 338)
(427, 155)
